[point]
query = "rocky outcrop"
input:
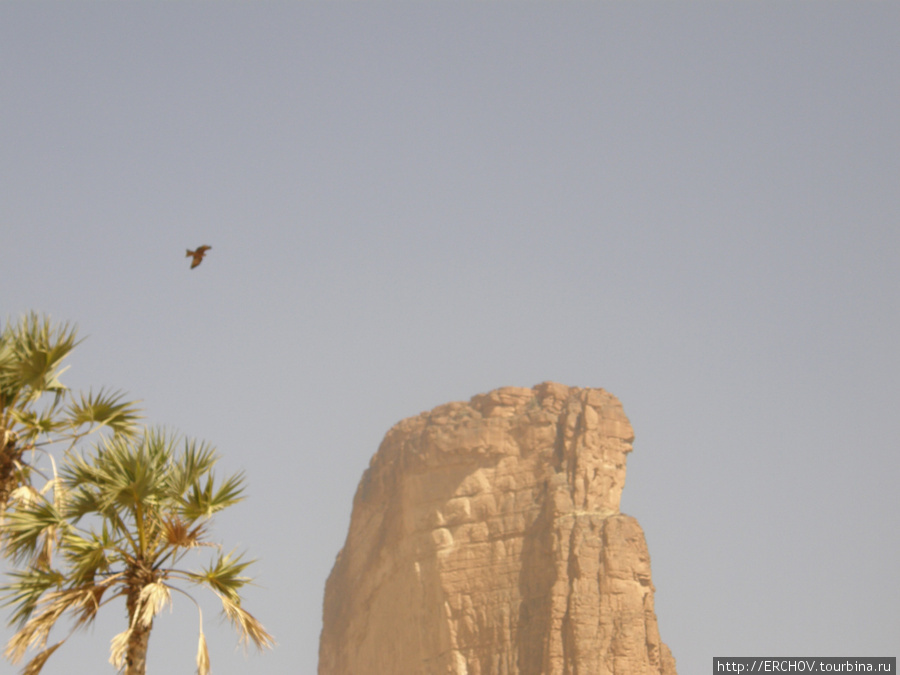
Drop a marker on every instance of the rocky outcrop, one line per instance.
(486, 539)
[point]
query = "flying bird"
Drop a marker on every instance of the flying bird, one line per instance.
(197, 255)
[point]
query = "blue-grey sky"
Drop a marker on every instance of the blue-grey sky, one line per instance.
(692, 205)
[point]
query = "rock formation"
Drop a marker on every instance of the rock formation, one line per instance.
(486, 539)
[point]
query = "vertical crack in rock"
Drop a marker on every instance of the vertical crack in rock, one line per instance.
(536, 578)
(486, 539)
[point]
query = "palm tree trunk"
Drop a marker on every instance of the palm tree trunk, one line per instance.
(136, 655)
(9, 457)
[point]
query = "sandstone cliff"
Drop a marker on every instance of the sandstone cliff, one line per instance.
(486, 539)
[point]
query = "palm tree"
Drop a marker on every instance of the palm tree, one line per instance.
(36, 410)
(118, 523)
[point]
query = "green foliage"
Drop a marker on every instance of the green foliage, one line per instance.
(31, 354)
(225, 575)
(116, 523)
(112, 522)
(37, 411)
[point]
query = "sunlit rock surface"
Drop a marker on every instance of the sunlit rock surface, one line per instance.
(486, 539)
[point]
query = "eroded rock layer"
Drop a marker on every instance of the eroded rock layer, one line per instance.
(486, 539)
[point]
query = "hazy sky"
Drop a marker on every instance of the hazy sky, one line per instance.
(695, 206)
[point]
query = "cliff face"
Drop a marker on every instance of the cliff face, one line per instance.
(486, 539)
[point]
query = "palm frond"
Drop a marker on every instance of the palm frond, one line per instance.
(154, 597)
(87, 555)
(202, 655)
(90, 599)
(35, 631)
(194, 462)
(224, 575)
(82, 601)
(31, 529)
(248, 627)
(121, 472)
(36, 664)
(78, 470)
(118, 647)
(109, 409)
(202, 501)
(82, 501)
(230, 492)
(24, 495)
(25, 590)
(39, 348)
(178, 534)
(32, 423)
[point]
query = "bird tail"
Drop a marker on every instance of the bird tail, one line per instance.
(189, 253)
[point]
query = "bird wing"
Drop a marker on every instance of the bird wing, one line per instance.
(198, 255)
